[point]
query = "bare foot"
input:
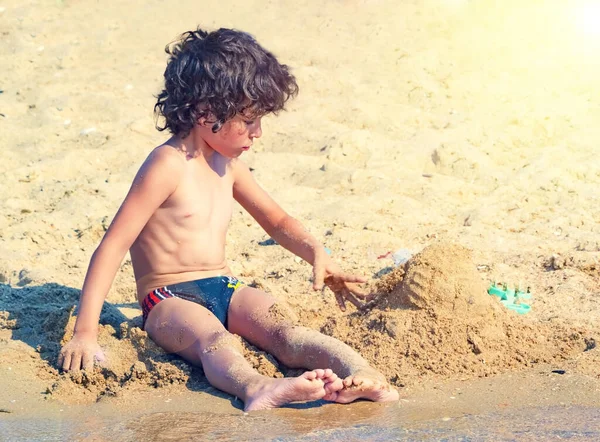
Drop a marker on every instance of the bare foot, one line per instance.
(333, 384)
(366, 384)
(274, 393)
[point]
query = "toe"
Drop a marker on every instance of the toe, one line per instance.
(336, 385)
(320, 373)
(331, 377)
(331, 396)
(357, 382)
(310, 375)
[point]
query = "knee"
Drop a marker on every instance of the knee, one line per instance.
(281, 314)
(219, 340)
(290, 333)
(283, 333)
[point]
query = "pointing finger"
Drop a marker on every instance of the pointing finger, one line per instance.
(357, 291)
(347, 277)
(340, 300)
(350, 297)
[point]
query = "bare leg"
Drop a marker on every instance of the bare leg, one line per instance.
(252, 316)
(191, 331)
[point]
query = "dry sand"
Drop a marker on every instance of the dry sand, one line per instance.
(465, 130)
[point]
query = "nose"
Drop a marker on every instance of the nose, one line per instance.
(256, 131)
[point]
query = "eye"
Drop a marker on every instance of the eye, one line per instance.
(249, 122)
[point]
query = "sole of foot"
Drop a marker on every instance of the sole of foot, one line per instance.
(274, 393)
(369, 386)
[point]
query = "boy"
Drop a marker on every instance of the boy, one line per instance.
(174, 220)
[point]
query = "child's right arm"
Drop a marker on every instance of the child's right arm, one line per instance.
(156, 180)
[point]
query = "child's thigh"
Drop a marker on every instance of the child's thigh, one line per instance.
(183, 327)
(254, 315)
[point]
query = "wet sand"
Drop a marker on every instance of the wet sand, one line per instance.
(466, 124)
(533, 405)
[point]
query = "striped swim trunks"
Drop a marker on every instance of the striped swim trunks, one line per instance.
(212, 293)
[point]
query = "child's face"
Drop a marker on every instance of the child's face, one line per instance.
(235, 137)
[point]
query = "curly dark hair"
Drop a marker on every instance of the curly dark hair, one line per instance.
(218, 75)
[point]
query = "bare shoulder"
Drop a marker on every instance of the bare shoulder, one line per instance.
(240, 170)
(163, 168)
(167, 158)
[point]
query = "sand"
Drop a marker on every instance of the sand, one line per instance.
(465, 131)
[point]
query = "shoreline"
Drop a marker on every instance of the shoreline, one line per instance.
(424, 407)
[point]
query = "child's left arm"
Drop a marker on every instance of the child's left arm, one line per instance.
(290, 233)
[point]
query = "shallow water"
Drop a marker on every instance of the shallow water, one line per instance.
(379, 424)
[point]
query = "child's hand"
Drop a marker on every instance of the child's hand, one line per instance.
(343, 285)
(80, 352)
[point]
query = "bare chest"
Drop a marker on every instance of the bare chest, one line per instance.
(200, 202)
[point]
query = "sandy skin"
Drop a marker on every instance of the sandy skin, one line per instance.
(319, 384)
(365, 384)
(205, 342)
(310, 386)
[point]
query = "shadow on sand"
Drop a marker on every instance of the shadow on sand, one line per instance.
(43, 316)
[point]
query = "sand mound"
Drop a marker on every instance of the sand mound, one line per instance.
(132, 359)
(442, 279)
(434, 317)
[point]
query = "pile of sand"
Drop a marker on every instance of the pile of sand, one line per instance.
(434, 317)
(44, 317)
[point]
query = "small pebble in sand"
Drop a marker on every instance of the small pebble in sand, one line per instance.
(87, 131)
(2, 9)
(67, 122)
(40, 49)
(128, 87)
(556, 262)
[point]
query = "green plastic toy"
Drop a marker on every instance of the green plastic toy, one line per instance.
(511, 298)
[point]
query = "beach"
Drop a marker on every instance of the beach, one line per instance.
(462, 132)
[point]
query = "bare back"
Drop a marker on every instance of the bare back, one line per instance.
(184, 239)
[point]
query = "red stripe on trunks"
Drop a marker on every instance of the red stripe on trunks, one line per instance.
(146, 306)
(153, 298)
